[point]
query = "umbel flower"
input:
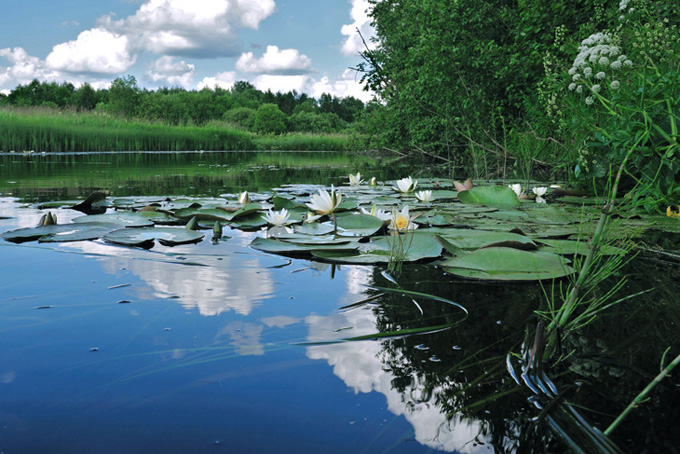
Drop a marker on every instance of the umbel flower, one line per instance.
(325, 203)
(355, 180)
(424, 196)
(405, 185)
(277, 217)
(401, 222)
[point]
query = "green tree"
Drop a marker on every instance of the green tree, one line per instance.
(269, 120)
(124, 96)
(240, 116)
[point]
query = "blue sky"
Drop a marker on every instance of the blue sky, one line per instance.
(306, 45)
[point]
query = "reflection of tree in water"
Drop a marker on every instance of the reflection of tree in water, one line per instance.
(462, 370)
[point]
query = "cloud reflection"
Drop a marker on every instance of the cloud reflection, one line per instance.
(358, 364)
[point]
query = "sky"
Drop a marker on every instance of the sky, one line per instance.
(281, 45)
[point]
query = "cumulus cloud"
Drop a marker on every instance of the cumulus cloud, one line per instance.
(360, 21)
(23, 68)
(189, 27)
(346, 85)
(96, 51)
(276, 83)
(223, 80)
(275, 61)
(172, 73)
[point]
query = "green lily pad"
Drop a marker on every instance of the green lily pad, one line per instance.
(278, 246)
(416, 246)
(207, 214)
(457, 240)
(491, 196)
(124, 219)
(249, 222)
(573, 247)
(246, 210)
(144, 238)
(358, 225)
(61, 232)
(508, 264)
(314, 228)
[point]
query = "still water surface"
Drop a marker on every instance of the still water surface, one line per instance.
(219, 348)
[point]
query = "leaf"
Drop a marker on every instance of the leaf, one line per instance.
(277, 246)
(417, 246)
(125, 219)
(455, 240)
(61, 232)
(144, 238)
(358, 225)
(501, 263)
(491, 196)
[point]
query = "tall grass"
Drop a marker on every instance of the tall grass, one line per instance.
(63, 131)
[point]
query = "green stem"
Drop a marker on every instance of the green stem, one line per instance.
(568, 308)
(643, 395)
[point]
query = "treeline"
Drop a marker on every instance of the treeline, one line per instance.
(243, 106)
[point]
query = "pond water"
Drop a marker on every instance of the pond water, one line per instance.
(218, 348)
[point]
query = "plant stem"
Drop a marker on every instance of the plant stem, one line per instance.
(641, 397)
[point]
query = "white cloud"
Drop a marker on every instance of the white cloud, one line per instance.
(96, 51)
(223, 80)
(275, 61)
(189, 27)
(172, 73)
(283, 84)
(23, 68)
(347, 85)
(353, 44)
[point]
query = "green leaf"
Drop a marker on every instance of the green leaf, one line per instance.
(61, 232)
(491, 196)
(455, 240)
(278, 246)
(501, 263)
(416, 246)
(124, 219)
(358, 225)
(167, 236)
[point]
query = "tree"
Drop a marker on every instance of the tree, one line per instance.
(124, 96)
(269, 120)
(85, 98)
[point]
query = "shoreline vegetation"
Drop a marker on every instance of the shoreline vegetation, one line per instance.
(51, 130)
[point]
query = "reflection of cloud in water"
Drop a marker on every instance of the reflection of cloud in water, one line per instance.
(234, 282)
(279, 321)
(245, 337)
(358, 365)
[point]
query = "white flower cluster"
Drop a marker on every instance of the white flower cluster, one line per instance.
(599, 54)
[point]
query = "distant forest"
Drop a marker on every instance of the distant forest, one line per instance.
(243, 106)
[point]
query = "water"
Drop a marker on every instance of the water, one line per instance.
(220, 348)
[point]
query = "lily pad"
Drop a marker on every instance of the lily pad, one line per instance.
(457, 240)
(417, 246)
(314, 228)
(208, 214)
(144, 238)
(573, 247)
(491, 196)
(358, 225)
(125, 219)
(61, 232)
(508, 264)
(277, 246)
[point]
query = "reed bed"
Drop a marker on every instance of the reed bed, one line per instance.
(63, 131)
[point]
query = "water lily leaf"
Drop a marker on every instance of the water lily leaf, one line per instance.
(501, 263)
(249, 222)
(61, 232)
(144, 238)
(492, 196)
(125, 219)
(457, 240)
(416, 246)
(277, 246)
(573, 247)
(246, 210)
(314, 228)
(202, 214)
(358, 225)
(434, 220)
(289, 204)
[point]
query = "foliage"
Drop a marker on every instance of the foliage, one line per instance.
(269, 120)
(623, 90)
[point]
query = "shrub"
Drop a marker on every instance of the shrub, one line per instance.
(269, 119)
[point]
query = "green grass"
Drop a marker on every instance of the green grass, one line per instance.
(62, 131)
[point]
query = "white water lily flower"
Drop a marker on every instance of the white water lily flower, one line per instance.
(325, 203)
(377, 212)
(424, 196)
(355, 180)
(372, 182)
(540, 192)
(310, 217)
(277, 217)
(243, 197)
(517, 188)
(400, 220)
(405, 185)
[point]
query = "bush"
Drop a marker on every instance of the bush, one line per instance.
(240, 116)
(269, 119)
